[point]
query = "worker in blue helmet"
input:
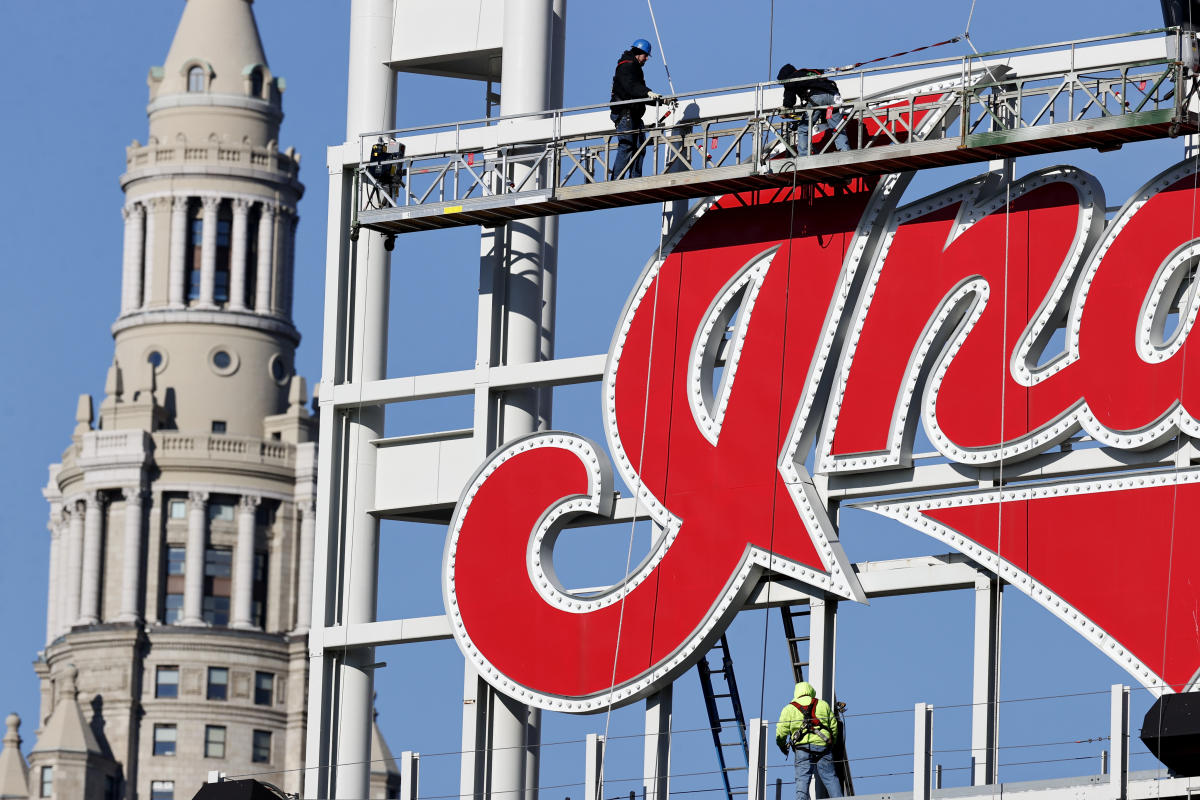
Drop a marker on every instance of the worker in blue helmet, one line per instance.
(629, 84)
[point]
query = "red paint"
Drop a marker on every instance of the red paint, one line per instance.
(1120, 556)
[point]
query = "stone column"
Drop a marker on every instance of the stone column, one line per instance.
(64, 617)
(266, 256)
(208, 251)
(93, 551)
(193, 562)
(132, 572)
(54, 588)
(177, 280)
(243, 567)
(237, 255)
(304, 581)
(152, 209)
(75, 515)
(131, 274)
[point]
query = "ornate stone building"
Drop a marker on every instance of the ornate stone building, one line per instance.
(181, 514)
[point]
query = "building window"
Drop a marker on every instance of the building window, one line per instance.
(172, 608)
(177, 509)
(218, 568)
(258, 596)
(262, 748)
(222, 510)
(166, 682)
(162, 790)
(218, 683)
(256, 83)
(176, 560)
(214, 741)
(173, 599)
(46, 782)
(164, 740)
(218, 426)
(196, 79)
(264, 688)
(195, 239)
(224, 237)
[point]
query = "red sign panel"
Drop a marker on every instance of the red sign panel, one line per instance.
(1004, 318)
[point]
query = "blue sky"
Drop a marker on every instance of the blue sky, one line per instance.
(75, 96)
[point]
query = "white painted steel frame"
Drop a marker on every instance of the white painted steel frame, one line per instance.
(355, 391)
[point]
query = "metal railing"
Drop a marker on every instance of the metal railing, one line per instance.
(989, 98)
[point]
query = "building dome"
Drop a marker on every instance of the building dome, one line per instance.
(227, 61)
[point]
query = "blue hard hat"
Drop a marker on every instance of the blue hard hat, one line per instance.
(641, 44)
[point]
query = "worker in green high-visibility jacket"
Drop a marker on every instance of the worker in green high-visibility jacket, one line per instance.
(807, 726)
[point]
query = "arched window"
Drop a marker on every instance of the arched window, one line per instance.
(256, 83)
(196, 79)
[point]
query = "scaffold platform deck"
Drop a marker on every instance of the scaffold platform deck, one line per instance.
(1096, 93)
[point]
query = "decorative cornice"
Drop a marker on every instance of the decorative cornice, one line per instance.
(242, 319)
(207, 100)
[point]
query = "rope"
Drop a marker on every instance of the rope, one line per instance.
(661, 51)
(856, 65)
(964, 36)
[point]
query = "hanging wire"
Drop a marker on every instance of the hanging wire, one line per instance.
(771, 43)
(661, 51)
(1000, 470)
(639, 484)
(1179, 438)
(762, 688)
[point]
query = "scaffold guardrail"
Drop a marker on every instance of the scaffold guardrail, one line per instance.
(1099, 92)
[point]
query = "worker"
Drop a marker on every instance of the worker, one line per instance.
(807, 725)
(630, 84)
(813, 92)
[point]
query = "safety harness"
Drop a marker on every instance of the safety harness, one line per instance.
(809, 723)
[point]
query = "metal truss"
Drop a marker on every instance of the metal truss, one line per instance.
(1098, 92)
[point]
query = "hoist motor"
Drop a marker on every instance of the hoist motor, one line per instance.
(384, 163)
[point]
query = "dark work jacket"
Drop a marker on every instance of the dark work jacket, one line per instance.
(803, 90)
(629, 83)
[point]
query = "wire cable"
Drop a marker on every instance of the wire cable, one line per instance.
(661, 51)
(771, 42)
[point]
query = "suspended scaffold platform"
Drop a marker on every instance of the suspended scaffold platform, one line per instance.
(1091, 93)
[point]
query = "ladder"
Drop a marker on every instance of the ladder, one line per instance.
(794, 642)
(725, 712)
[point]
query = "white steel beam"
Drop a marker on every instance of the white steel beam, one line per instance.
(656, 754)
(559, 372)
(922, 751)
(732, 101)
(593, 770)
(985, 697)
(355, 350)
(757, 735)
(1118, 765)
(410, 776)
(822, 646)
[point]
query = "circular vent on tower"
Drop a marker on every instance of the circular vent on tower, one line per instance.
(279, 370)
(223, 360)
(156, 357)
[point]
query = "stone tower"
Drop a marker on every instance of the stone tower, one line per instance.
(181, 514)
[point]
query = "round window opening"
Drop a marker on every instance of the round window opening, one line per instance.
(222, 360)
(156, 357)
(278, 370)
